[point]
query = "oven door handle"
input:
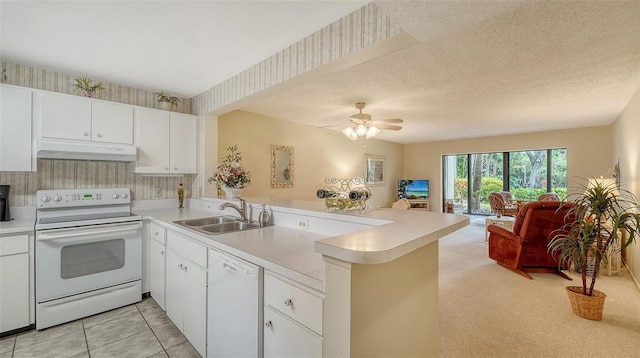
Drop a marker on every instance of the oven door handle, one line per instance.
(84, 232)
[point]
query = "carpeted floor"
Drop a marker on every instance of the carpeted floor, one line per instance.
(489, 311)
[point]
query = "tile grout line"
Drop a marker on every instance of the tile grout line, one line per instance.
(152, 331)
(86, 341)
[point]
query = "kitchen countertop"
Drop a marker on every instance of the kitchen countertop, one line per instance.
(285, 251)
(384, 235)
(17, 226)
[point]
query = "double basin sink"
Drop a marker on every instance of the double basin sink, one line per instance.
(216, 225)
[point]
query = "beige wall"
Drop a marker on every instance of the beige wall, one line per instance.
(627, 148)
(589, 153)
(317, 155)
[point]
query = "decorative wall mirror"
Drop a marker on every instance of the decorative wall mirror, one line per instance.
(281, 166)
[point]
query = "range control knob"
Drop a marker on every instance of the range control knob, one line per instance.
(115, 195)
(45, 198)
(124, 195)
(57, 198)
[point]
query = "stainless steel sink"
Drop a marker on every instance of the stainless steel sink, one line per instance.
(207, 221)
(216, 225)
(228, 227)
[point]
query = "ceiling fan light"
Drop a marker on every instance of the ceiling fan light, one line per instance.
(350, 133)
(361, 130)
(372, 131)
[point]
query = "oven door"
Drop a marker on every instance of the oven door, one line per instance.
(75, 260)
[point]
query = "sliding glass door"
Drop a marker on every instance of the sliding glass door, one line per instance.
(470, 178)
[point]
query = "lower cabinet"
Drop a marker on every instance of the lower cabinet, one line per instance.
(284, 337)
(15, 295)
(186, 289)
(292, 319)
(158, 255)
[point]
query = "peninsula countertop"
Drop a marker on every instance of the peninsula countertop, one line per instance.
(374, 237)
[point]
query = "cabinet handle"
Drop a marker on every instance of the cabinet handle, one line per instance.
(288, 302)
(180, 266)
(99, 135)
(85, 134)
(162, 252)
(185, 269)
(175, 168)
(268, 324)
(166, 168)
(155, 233)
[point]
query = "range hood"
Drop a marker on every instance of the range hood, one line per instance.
(61, 149)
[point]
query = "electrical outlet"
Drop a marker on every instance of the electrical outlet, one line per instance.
(303, 224)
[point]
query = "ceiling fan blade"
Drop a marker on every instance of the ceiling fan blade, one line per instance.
(389, 120)
(388, 126)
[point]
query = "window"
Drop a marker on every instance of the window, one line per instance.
(470, 178)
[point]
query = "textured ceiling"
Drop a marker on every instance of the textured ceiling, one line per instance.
(470, 69)
(523, 67)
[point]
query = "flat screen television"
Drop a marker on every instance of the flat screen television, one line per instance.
(413, 189)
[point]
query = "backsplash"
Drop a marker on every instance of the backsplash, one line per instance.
(73, 174)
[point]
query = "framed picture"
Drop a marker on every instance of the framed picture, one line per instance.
(373, 170)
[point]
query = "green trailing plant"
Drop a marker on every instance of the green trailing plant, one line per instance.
(604, 218)
(87, 87)
(164, 97)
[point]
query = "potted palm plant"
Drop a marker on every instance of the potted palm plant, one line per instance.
(85, 85)
(605, 219)
(167, 101)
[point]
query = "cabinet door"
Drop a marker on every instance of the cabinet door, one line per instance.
(14, 295)
(195, 308)
(15, 129)
(158, 254)
(174, 288)
(111, 122)
(285, 338)
(152, 140)
(64, 116)
(182, 139)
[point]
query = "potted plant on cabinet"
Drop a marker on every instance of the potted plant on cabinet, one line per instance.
(606, 219)
(167, 101)
(84, 84)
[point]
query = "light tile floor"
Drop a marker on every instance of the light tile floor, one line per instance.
(138, 330)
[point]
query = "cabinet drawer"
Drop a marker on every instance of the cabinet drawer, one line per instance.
(294, 301)
(285, 338)
(158, 233)
(187, 248)
(15, 244)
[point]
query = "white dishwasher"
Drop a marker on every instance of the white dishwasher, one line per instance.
(235, 307)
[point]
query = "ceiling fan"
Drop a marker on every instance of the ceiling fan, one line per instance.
(362, 126)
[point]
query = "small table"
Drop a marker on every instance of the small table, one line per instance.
(504, 221)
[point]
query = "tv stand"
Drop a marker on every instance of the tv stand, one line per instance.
(419, 204)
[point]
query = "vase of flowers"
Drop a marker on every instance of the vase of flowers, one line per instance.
(230, 176)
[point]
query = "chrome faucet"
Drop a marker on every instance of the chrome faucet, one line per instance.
(242, 210)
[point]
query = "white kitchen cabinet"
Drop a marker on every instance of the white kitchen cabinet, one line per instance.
(15, 129)
(284, 337)
(292, 318)
(15, 278)
(186, 288)
(158, 255)
(166, 142)
(65, 116)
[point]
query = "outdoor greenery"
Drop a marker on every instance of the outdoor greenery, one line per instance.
(527, 172)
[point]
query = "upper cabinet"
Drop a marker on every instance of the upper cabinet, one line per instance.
(166, 142)
(65, 116)
(15, 129)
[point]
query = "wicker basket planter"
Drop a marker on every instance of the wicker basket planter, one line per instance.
(589, 307)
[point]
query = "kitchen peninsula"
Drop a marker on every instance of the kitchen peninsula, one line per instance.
(375, 276)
